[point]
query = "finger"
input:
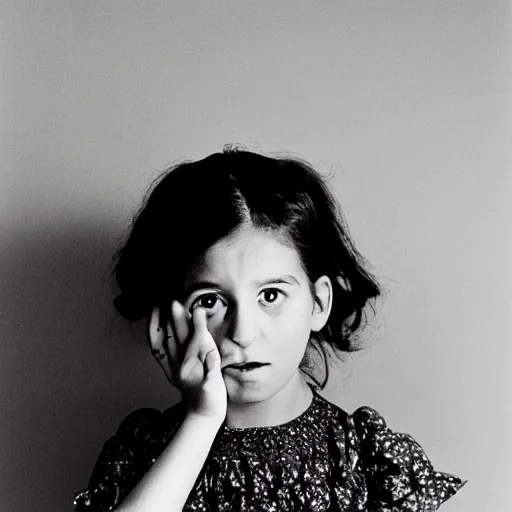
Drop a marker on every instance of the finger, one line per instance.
(155, 332)
(158, 340)
(202, 334)
(199, 320)
(212, 362)
(171, 345)
(180, 323)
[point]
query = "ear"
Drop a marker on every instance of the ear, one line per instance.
(323, 303)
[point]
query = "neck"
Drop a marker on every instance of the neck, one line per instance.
(282, 407)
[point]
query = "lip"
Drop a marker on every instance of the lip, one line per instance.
(243, 363)
(237, 366)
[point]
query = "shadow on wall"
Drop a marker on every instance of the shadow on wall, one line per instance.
(71, 369)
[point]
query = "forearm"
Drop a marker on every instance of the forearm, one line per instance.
(167, 484)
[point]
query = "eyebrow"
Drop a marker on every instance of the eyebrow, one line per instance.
(286, 279)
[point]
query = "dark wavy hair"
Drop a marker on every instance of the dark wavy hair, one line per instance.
(193, 205)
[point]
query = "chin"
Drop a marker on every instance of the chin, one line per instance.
(245, 392)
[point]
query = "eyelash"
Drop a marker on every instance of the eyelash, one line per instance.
(197, 299)
(279, 292)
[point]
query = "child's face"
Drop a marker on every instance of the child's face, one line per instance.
(259, 309)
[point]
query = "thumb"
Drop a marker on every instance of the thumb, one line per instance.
(212, 363)
(199, 320)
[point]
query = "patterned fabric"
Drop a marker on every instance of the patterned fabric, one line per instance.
(323, 460)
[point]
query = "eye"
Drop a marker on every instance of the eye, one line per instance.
(210, 302)
(272, 296)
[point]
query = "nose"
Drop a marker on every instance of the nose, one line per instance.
(241, 325)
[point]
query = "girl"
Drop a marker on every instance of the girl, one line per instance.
(244, 268)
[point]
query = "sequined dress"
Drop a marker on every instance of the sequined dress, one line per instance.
(323, 460)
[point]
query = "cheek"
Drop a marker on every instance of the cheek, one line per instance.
(302, 310)
(295, 324)
(217, 328)
(213, 323)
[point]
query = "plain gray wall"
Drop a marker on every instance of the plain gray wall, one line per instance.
(407, 104)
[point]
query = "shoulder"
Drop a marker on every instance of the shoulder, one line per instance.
(398, 471)
(145, 421)
(138, 421)
(127, 455)
(141, 435)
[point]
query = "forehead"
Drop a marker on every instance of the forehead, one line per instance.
(248, 254)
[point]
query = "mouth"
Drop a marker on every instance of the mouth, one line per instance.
(245, 367)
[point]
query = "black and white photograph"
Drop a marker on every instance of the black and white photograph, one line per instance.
(256, 256)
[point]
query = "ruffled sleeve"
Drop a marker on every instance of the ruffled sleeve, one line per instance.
(399, 475)
(125, 458)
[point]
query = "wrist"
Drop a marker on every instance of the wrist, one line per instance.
(202, 421)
